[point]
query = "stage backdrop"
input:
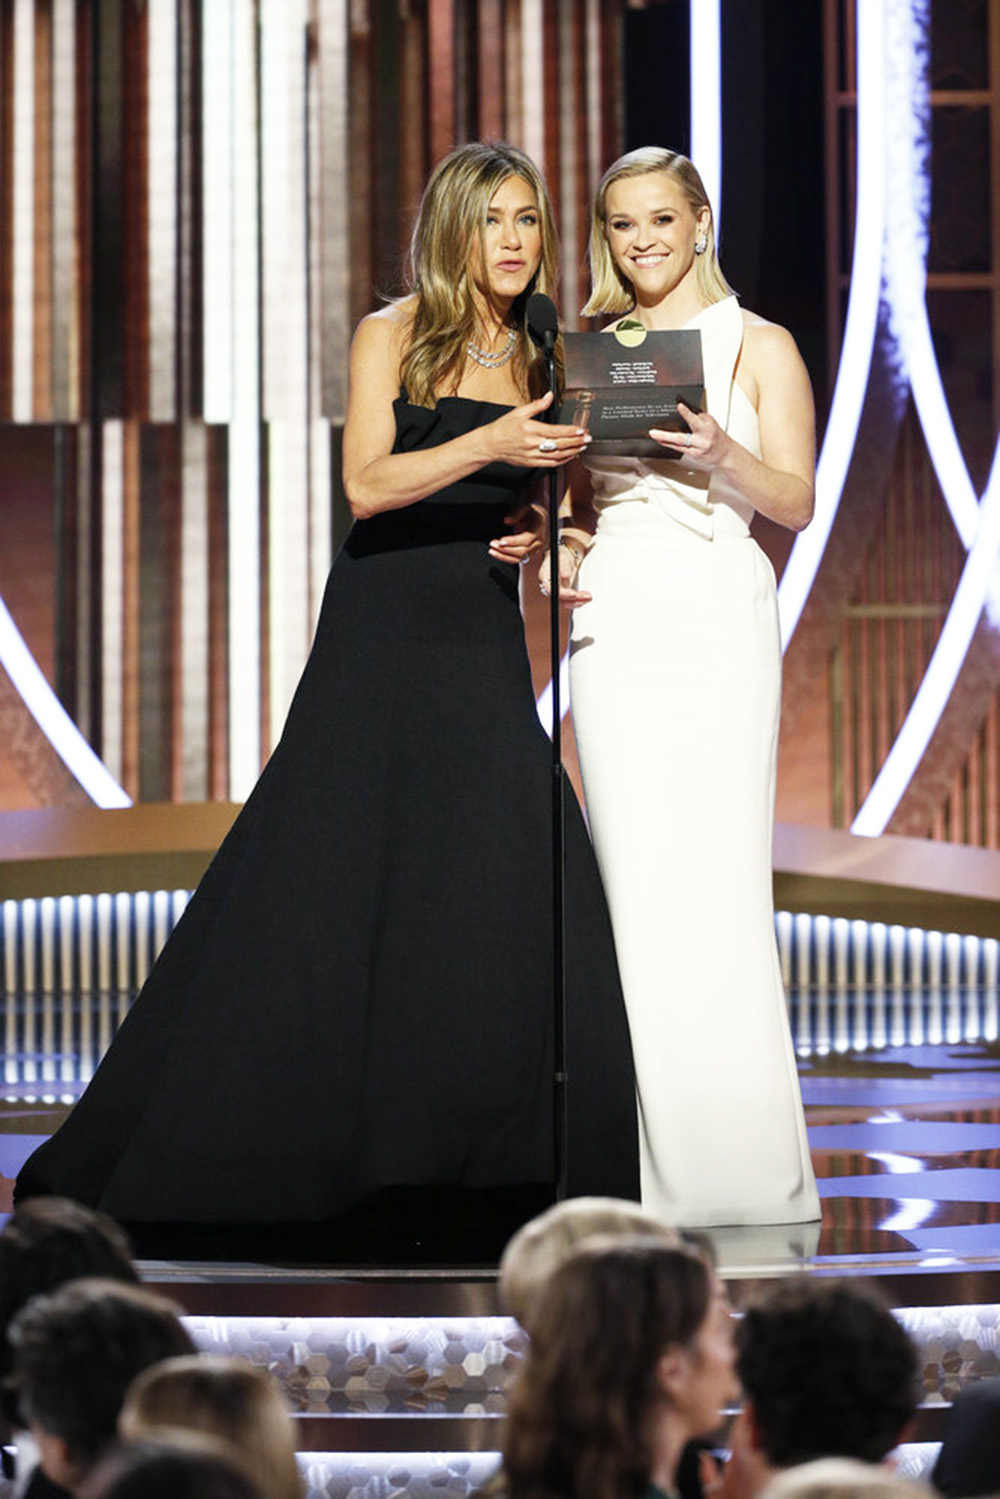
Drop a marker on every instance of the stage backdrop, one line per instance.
(198, 200)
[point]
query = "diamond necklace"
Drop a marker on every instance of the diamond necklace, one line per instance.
(492, 359)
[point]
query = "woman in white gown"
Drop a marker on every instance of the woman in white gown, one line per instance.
(676, 679)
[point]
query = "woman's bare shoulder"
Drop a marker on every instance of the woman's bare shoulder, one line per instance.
(383, 333)
(761, 333)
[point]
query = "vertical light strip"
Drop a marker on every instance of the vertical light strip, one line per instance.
(194, 583)
(570, 111)
(244, 430)
(162, 148)
(595, 135)
(862, 320)
(285, 343)
(23, 247)
(112, 601)
(217, 228)
(533, 80)
(706, 100)
(320, 444)
(331, 324)
(65, 350)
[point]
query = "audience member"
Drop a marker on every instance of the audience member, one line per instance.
(227, 1399)
(844, 1478)
(178, 1465)
(968, 1464)
(43, 1245)
(827, 1371)
(631, 1356)
(76, 1351)
(543, 1243)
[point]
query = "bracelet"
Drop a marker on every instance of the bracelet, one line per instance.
(572, 547)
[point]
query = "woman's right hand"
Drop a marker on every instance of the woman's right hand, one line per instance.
(520, 438)
(570, 596)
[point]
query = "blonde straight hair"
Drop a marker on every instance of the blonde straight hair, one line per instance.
(610, 291)
(452, 213)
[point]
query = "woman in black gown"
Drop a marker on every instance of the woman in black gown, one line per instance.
(358, 996)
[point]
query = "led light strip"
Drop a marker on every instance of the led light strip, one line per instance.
(53, 720)
(706, 99)
(862, 319)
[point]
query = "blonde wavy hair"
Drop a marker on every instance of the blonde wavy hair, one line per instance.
(452, 213)
(226, 1398)
(610, 291)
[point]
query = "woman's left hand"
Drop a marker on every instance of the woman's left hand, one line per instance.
(518, 545)
(703, 447)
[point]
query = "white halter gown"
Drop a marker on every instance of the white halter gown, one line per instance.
(676, 682)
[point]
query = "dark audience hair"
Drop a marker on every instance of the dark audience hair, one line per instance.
(49, 1241)
(77, 1350)
(578, 1415)
(176, 1465)
(968, 1464)
(828, 1371)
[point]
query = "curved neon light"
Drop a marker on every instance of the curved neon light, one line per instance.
(53, 720)
(939, 678)
(859, 331)
(978, 526)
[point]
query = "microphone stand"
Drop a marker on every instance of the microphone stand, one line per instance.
(560, 1075)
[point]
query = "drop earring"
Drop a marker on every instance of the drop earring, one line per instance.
(701, 245)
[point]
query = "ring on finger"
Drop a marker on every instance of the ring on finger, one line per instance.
(547, 445)
(687, 440)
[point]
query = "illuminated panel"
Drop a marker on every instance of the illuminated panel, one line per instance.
(244, 429)
(533, 80)
(859, 331)
(162, 206)
(65, 309)
(23, 248)
(706, 100)
(285, 344)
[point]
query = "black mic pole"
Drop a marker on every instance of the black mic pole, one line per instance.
(543, 328)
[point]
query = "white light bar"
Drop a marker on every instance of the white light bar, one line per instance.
(706, 99)
(862, 321)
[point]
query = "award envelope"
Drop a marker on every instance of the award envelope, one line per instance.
(620, 384)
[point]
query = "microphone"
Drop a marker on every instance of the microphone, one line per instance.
(543, 321)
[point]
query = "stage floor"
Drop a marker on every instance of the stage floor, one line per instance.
(905, 1140)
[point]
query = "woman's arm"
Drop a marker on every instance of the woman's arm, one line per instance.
(578, 521)
(781, 483)
(377, 479)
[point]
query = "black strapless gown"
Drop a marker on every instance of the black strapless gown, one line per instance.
(358, 995)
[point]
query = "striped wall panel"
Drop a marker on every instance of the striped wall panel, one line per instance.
(70, 967)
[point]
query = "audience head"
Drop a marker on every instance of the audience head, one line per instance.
(630, 1357)
(827, 1371)
(76, 1351)
(227, 1399)
(611, 290)
(968, 1464)
(537, 1248)
(178, 1465)
(45, 1243)
(844, 1478)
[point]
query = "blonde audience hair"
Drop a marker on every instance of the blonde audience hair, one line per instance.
(227, 1399)
(452, 214)
(844, 1478)
(610, 291)
(540, 1246)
